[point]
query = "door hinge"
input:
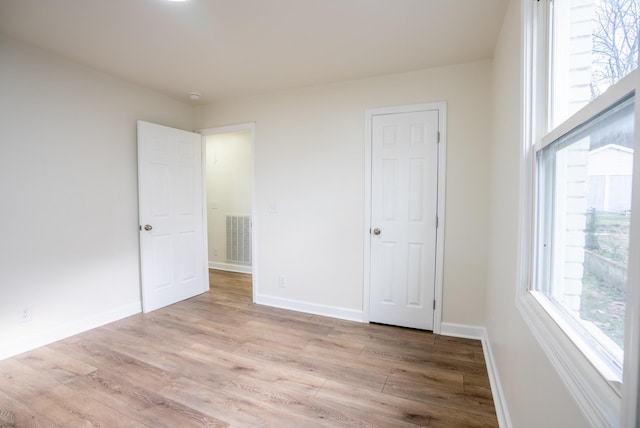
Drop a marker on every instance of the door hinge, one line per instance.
(434, 304)
(438, 137)
(437, 221)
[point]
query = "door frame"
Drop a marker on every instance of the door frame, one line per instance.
(441, 107)
(251, 127)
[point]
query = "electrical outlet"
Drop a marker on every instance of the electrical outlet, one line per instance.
(26, 313)
(215, 252)
(282, 281)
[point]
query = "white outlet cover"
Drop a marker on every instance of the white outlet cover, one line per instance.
(26, 313)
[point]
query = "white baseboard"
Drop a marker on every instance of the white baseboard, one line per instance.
(310, 308)
(462, 330)
(504, 420)
(230, 267)
(480, 333)
(67, 330)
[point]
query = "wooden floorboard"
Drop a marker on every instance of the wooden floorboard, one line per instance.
(218, 360)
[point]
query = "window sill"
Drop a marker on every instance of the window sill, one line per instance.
(610, 371)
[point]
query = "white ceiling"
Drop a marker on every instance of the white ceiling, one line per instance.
(231, 48)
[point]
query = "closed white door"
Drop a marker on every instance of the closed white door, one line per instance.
(171, 215)
(404, 198)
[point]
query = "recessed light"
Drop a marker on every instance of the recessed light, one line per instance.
(193, 96)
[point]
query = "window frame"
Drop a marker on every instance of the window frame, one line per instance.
(604, 403)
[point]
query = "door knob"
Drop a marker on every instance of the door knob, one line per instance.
(376, 231)
(148, 227)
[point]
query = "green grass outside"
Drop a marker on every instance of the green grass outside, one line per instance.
(604, 306)
(607, 236)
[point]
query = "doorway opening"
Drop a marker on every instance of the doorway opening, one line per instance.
(228, 165)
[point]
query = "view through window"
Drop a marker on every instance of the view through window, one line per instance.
(584, 177)
(585, 207)
(594, 45)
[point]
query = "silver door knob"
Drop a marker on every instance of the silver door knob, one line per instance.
(376, 231)
(147, 227)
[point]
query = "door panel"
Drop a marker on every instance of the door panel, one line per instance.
(404, 207)
(170, 201)
(415, 275)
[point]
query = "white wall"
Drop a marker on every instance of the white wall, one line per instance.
(535, 395)
(229, 170)
(309, 159)
(68, 192)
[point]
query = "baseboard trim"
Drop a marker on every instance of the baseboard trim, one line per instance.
(480, 333)
(462, 330)
(67, 330)
(230, 267)
(502, 412)
(310, 308)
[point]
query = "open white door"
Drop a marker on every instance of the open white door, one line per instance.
(171, 216)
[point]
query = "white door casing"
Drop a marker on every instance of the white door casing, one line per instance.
(173, 266)
(403, 254)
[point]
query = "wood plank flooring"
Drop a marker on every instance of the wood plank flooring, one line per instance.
(218, 360)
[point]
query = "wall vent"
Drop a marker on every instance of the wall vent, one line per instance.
(239, 239)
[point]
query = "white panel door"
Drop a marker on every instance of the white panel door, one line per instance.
(171, 215)
(404, 197)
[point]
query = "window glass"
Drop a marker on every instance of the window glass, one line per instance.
(584, 209)
(595, 44)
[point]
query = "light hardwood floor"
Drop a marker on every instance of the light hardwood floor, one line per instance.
(218, 360)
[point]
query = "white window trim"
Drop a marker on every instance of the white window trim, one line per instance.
(631, 371)
(596, 397)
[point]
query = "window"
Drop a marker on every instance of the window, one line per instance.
(582, 240)
(580, 81)
(594, 44)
